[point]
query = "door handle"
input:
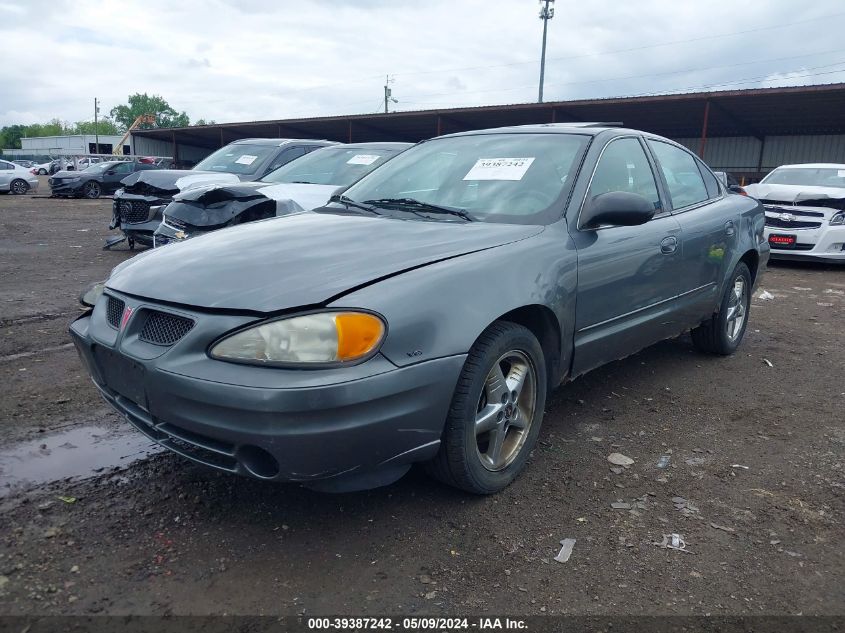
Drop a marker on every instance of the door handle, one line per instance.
(730, 229)
(668, 245)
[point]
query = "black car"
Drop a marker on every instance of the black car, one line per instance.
(137, 207)
(96, 180)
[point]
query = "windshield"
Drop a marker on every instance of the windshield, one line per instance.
(812, 176)
(507, 178)
(331, 166)
(99, 167)
(239, 158)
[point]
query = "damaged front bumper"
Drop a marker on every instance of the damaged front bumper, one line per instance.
(815, 238)
(333, 429)
(137, 216)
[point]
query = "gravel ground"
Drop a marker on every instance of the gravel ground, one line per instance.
(754, 480)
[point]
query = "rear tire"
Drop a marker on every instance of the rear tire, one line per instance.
(42, 172)
(723, 332)
(496, 411)
(18, 187)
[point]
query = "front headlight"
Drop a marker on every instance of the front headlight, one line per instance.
(838, 218)
(320, 338)
(89, 296)
(74, 179)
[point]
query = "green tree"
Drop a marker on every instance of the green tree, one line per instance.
(138, 104)
(204, 122)
(10, 136)
(104, 126)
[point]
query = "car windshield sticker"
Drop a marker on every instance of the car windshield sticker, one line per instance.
(246, 159)
(363, 159)
(499, 169)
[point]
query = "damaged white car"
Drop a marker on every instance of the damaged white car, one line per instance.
(805, 211)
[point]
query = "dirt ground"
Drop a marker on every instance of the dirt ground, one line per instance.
(755, 468)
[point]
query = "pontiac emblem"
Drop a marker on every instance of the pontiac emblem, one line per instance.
(127, 312)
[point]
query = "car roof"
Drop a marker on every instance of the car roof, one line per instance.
(385, 145)
(278, 142)
(582, 128)
(814, 166)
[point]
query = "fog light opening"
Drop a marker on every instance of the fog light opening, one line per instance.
(258, 462)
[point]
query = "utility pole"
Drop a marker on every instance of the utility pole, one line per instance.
(388, 93)
(546, 14)
(96, 131)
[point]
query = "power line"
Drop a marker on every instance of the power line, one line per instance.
(588, 81)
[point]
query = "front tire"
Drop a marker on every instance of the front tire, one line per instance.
(18, 187)
(496, 411)
(91, 190)
(723, 332)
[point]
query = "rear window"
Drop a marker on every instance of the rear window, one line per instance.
(238, 158)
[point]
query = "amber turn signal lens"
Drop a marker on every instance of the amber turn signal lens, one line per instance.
(358, 333)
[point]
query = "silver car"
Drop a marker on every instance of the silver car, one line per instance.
(16, 179)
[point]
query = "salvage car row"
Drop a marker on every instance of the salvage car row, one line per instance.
(410, 305)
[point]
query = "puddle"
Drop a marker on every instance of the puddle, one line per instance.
(77, 453)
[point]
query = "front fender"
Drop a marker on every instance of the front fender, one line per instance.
(441, 309)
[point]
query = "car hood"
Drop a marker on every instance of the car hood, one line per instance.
(798, 194)
(300, 260)
(68, 174)
(168, 182)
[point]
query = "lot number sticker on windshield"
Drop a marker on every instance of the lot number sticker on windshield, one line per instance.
(363, 159)
(499, 169)
(246, 159)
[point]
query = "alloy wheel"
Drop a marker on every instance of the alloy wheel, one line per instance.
(92, 190)
(505, 410)
(737, 310)
(19, 187)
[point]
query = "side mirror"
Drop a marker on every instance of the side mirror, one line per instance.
(110, 172)
(619, 208)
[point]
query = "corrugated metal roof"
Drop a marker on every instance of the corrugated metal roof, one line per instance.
(758, 112)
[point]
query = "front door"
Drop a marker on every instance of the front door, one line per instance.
(113, 176)
(627, 275)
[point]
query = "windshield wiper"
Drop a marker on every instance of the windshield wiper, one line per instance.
(349, 203)
(302, 182)
(415, 206)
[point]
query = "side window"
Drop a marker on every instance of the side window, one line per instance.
(123, 168)
(682, 175)
(286, 156)
(5, 165)
(709, 180)
(623, 166)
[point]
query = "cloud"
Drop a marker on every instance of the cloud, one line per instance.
(235, 60)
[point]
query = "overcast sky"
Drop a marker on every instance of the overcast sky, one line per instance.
(243, 60)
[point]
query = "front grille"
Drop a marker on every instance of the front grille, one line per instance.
(114, 311)
(794, 224)
(134, 211)
(803, 247)
(172, 222)
(794, 211)
(162, 328)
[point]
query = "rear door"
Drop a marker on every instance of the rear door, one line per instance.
(627, 275)
(704, 212)
(7, 171)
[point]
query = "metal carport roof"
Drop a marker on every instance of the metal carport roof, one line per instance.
(760, 112)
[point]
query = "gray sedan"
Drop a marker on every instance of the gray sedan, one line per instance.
(424, 315)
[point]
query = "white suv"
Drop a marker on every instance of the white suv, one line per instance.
(805, 211)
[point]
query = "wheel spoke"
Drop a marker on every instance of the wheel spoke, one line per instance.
(518, 419)
(496, 386)
(494, 448)
(487, 418)
(516, 379)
